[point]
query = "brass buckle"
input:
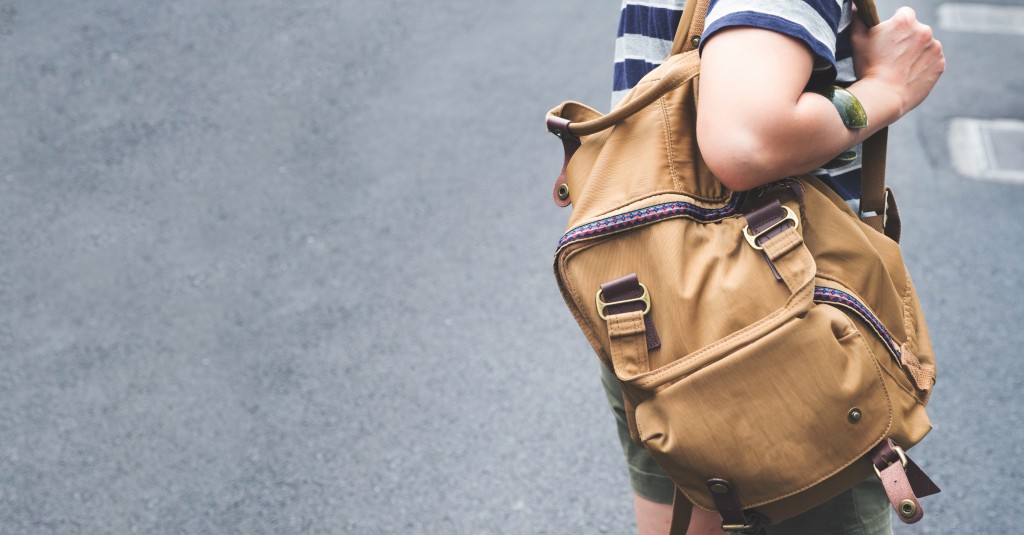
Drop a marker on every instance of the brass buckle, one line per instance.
(752, 238)
(903, 460)
(645, 299)
(739, 528)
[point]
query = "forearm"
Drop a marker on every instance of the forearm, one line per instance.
(799, 136)
(755, 122)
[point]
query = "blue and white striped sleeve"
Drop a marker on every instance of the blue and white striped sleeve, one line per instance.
(816, 23)
(644, 40)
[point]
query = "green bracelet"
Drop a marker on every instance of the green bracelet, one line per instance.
(849, 108)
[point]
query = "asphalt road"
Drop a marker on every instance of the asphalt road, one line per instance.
(284, 267)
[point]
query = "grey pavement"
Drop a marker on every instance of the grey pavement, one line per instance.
(285, 267)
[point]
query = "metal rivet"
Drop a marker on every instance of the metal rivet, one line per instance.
(908, 508)
(854, 416)
(695, 40)
(563, 191)
(719, 488)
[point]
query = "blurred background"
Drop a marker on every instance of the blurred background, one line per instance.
(285, 267)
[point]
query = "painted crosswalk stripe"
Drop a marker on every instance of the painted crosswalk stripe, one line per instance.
(988, 149)
(987, 18)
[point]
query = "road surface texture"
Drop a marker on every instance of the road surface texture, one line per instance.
(285, 267)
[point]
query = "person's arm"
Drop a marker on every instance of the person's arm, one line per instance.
(755, 123)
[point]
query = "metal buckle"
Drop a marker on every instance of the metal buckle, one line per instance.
(885, 212)
(752, 238)
(903, 460)
(739, 528)
(645, 299)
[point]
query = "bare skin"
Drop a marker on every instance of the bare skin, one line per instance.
(752, 132)
(653, 518)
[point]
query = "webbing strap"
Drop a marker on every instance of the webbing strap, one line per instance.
(872, 180)
(872, 173)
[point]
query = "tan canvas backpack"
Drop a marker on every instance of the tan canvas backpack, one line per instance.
(769, 344)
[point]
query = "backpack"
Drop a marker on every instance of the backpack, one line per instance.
(769, 344)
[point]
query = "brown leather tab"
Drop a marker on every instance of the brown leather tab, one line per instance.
(765, 217)
(768, 217)
(560, 128)
(682, 510)
(624, 288)
(734, 518)
(903, 483)
(901, 495)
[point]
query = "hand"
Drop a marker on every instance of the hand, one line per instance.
(901, 53)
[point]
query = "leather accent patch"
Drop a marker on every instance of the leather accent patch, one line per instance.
(570, 143)
(766, 217)
(727, 502)
(624, 288)
(904, 483)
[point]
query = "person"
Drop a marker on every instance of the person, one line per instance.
(760, 119)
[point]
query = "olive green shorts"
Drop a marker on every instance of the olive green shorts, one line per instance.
(861, 510)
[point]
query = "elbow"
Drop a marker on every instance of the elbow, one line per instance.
(739, 160)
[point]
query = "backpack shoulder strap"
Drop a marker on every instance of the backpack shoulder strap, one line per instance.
(873, 197)
(691, 26)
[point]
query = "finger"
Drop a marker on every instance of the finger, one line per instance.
(906, 12)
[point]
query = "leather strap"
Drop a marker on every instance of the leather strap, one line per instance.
(893, 225)
(774, 235)
(560, 128)
(872, 173)
(734, 518)
(903, 480)
(682, 510)
(766, 217)
(627, 288)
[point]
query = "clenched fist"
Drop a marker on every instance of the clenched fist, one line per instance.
(901, 53)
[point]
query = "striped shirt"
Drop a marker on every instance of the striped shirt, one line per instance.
(647, 27)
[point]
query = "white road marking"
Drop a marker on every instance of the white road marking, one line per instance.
(987, 18)
(986, 149)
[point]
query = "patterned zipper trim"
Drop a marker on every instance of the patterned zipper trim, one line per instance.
(647, 215)
(849, 302)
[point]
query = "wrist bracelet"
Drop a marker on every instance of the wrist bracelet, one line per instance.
(849, 108)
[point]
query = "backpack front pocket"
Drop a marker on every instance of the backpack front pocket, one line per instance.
(774, 417)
